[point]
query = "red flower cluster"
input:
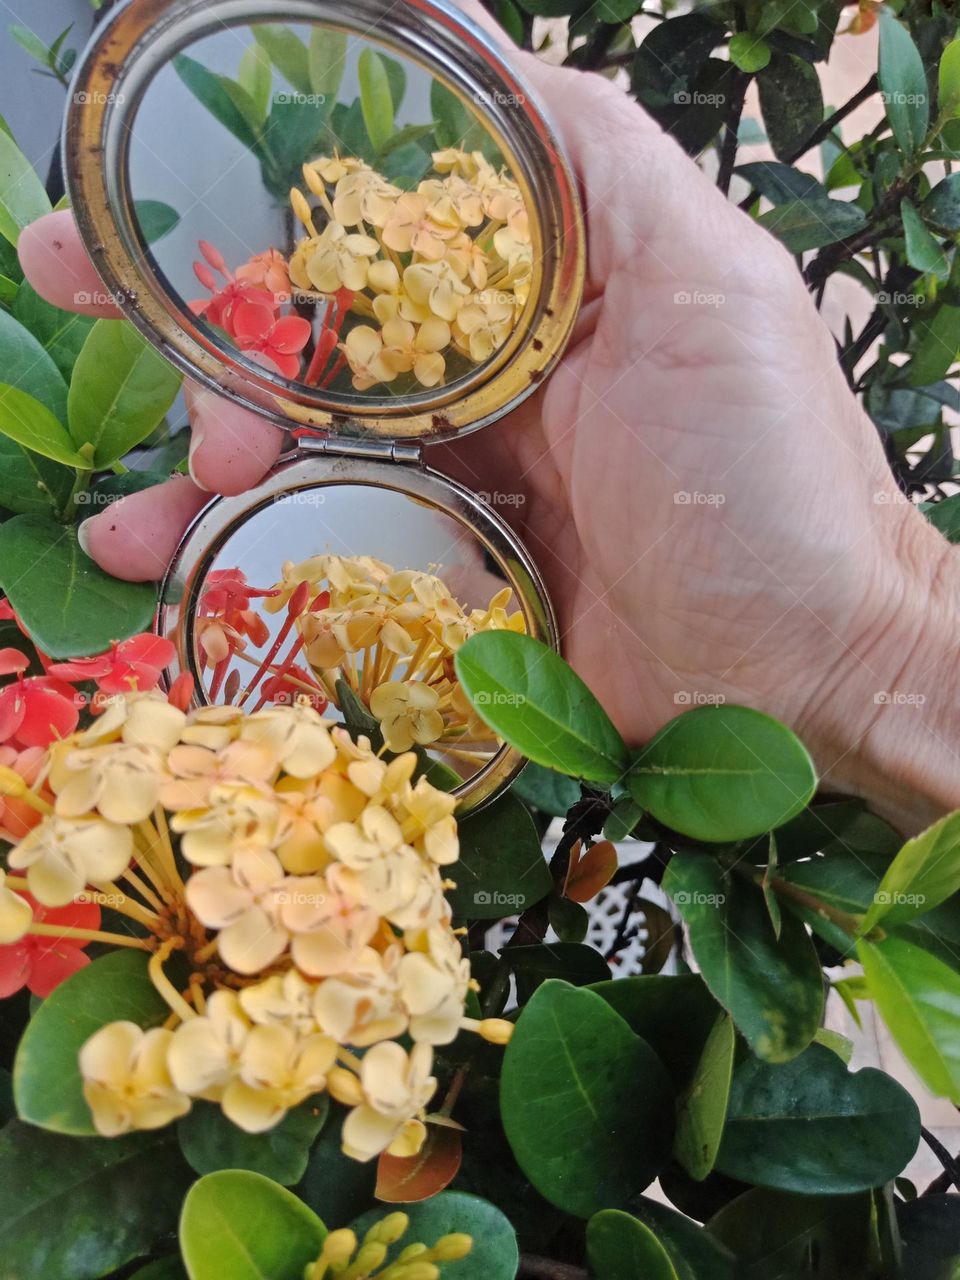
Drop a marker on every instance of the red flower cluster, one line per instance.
(41, 963)
(248, 304)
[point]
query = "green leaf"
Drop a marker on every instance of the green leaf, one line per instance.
(568, 920)
(494, 1255)
(836, 1043)
(772, 988)
(156, 219)
(939, 343)
(780, 183)
(749, 52)
(326, 60)
(567, 1074)
(241, 1225)
(211, 1142)
(376, 101)
(948, 97)
(83, 1208)
(213, 92)
(288, 54)
(455, 125)
(924, 873)
(162, 1269)
(61, 333)
(46, 1072)
(620, 1247)
(397, 80)
(334, 1184)
(813, 1127)
(695, 1254)
(68, 604)
(32, 425)
(923, 251)
(22, 195)
(791, 101)
(812, 222)
(941, 208)
(29, 483)
(29, 368)
(903, 85)
(702, 1109)
(120, 391)
(930, 1231)
(550, 792)
(531, 698)
(579, 965)
(255, 78)
(776, 1235)
(674, 1013)
(723, 773)
(623, 819)
(30, 41)
(501, 870)
(918, 996)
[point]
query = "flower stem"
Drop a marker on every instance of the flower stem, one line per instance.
(163, 984)
(88, 935)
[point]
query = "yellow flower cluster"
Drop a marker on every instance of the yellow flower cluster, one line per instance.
(343, 1255)
(445, 267)
(392, 635)
(305, 890)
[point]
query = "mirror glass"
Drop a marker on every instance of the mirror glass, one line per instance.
(330, 211)
(356, 597)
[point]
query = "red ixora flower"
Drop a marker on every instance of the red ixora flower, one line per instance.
(36, 710)
(131, 664)
(256, 328)
(219, 308)
(42, 963)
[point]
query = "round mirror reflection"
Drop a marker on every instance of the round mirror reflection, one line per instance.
(332, 212)
(356, 598)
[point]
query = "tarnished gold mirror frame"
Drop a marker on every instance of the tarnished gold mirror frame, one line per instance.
(116, 70)
(307, 469)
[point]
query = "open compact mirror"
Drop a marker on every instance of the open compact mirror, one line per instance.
(353, 219)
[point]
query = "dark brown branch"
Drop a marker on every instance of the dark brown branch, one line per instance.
(728, 150)
(951, 1168)
(546, 1269)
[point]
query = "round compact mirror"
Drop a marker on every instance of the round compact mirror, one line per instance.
(353, 219)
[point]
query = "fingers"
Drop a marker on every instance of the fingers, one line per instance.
(55, 262)
(135, 537)
(232, 448)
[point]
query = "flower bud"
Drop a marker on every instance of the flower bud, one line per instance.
(343, 1086)
(372, 1255)
(496, 1030)
(11, 784)
(389, 1230)
(339, 1247)
(452, 1247)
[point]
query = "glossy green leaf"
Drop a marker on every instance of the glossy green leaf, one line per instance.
(162, 1269)
(326, 60)
(579, 965)
(620, 1247)
(567, 1074)
(836, 1043)
(923, 251)
(930, 1231)
(455, 125)
(918, 996)
(213, 92)
(812, 222)
(776, 1236)
(494, 1255)
(623, 819)
(695, 1254)
(791, 101)
(674, 1013)
(74, 609)
(941, 208)
(255, 77)
(568, 920)
(211, 1142)
(60, 333)
(903, 84)
(702, 1109)
(376, 101)
(22, 195)
(948, 79)
(241, 1225)
(120, 391)
(27, 366)
(31, 424)
(723, 773)
(937, 347)
(780, 183)
(550, 792)
(155, 219)
(334, 1185)
(813, 1127)
(772, 988)
(749, 52)
(287, 52)
(80, 1209)
(924, 873)
(46, 1073)
(501, 870)
(531, 698)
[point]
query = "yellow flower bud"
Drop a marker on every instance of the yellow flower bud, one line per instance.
(339, 1247)
(11, 784)
(496, 1030)
(343, 1086)
(390, 1229)
(412, 1271)
(370, 1257)
(298, 202)
(452, 1247)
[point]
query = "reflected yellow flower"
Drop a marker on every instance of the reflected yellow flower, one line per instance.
(407, 713)
(62, 855)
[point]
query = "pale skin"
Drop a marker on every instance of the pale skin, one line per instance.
(795, 579)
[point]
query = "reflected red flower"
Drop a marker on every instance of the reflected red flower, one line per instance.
(136, 663)
(16, 816)
(42, 963)
(37, 710)
(256, 328)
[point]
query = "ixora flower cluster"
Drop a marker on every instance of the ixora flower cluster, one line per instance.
(300, 881)
(389, 636)
(403, 282)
